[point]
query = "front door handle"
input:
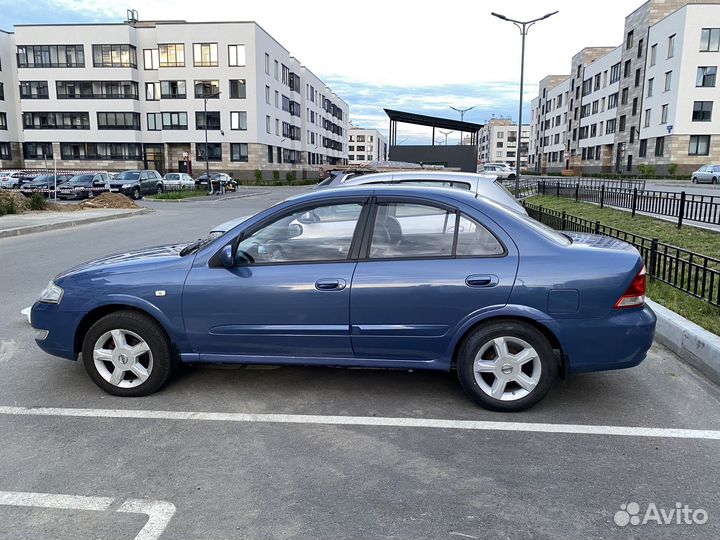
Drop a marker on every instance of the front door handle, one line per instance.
(481, 280)
(332, 284)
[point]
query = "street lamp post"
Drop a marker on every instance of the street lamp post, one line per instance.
(207, 96)
(523, 26)
(446, 133)
(462, 117)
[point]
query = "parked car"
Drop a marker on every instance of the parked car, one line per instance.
(84, 186)
(136, 183)
(11, 179)
(706, 174)
(175, 181)
(370, 276)
(44, 184)
(218, 180)
(481, 185)
(501, 170)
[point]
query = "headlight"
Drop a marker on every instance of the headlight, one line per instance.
(125, 186)
(52, 294)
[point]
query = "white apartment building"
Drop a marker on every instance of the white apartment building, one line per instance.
(498, 142)
(128, 95)
(650, 100)
(548, 124)
(366, 145)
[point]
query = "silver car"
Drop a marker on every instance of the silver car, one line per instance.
(500, 170)
(488, 186)
(706, 174)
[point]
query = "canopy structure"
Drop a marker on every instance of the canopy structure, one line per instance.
(430, 121)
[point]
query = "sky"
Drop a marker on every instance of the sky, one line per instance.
(415, 55)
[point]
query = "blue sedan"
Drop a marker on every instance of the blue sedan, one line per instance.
(374, 276)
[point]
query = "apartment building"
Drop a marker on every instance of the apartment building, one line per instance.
(648, 101)
(141, 94)
(366, 145)
(548, 124)
(499, 142)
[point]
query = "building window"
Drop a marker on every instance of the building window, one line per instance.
(647, 118)
(152, 91)
(710, 40)
(699, 145)
(172, 55)
(3, 121)
(96, 89)
(615, 73)
(236, 55)
(706, 76)
(154, 121)
(629, 40)
(268, 124)
(624, 96)
(50, 56)
(37, 150)
(214, 152)
(5, 152)
(213, 120)
(651, 83)
(653, 54)
(174, 120)
(610, 126)
(643, 148)
(621, 125)
(34, 90)
(637, 77)
(207, 89)
(640, 49)
(632, 134)
(671, 46)
(101, 151)
(626, 69)
(267, 95)
(173, 90)
(151, 60)
(239, 152)
(118, 120)
(635, 106)
(121, 55)
(270, 154)
(702, 111)
(238, 89)
(56, 120)
(267, 64)
(205, 54)
(612, 101)
(238, 120)
(668, 80)
(664, 114)
(659, 146)
(595, 108)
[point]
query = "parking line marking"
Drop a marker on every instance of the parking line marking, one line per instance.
(433, 423)
(159, 512)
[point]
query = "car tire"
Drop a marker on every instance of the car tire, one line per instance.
(136, 193)
(525, 375)
(160, 189)
(511, 177)
(714, 180)
(127, 372)
(694, 180)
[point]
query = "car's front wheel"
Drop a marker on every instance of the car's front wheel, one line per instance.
(127, 354)
(694, 180)
(136, 193)
(506, 366)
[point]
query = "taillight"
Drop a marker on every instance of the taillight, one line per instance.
(635, 294)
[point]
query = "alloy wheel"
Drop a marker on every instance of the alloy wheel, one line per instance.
(507, 368)
(123, 358)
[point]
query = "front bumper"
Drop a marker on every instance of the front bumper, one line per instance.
(60, 327)
(619, 340)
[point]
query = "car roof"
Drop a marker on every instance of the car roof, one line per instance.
(471, 178)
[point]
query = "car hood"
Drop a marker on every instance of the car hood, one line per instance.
(131, 261)
(225, 227)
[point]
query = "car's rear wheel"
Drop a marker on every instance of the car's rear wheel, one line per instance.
(714, 180)
(159, 189)
(127, 354)
(506, 366)
(511, 177)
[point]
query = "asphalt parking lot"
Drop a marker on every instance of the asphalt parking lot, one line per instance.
(329, 453)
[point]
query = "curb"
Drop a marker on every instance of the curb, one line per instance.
(19, 231)
(211, 198)
(694, 345)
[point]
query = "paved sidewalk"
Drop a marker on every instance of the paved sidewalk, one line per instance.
(30, 222)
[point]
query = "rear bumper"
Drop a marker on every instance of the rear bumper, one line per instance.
(619, 340)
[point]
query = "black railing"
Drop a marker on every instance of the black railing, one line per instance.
(693, 273)
(679, 205)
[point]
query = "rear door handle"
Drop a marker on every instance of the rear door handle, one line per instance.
(481, 280)
(332, 284)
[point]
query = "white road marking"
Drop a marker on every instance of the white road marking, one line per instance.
(159, 512)
(473, 425)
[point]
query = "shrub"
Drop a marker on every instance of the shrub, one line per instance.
(37, 201)
(276, 176)
(258, 175)
(672, 169)
(289, 176)
(7, 206)
(646, 169)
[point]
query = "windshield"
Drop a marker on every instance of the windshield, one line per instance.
(128, 175)
(81, 179)
(172, 176)
(43, 179)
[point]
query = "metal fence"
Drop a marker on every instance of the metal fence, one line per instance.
(679, 205)
(693, 273)
(593, 182)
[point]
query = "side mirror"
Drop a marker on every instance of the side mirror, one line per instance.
(295, 230)
(226, 256)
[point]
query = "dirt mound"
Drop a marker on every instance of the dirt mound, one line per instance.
(109, 200)
(13, 198)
